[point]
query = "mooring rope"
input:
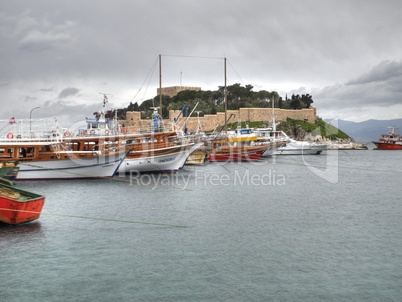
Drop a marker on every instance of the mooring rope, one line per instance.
(97, 218)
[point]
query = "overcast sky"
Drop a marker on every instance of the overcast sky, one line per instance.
(59, 55)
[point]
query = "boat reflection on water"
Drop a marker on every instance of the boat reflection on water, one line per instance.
(20, 231)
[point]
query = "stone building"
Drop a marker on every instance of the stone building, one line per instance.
(174, 90)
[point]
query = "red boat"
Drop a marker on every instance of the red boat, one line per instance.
(389, 141)
(229, 153)
(241, 156)
(19, 206)
(238, 146)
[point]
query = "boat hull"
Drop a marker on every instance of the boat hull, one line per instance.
(163, 160)
(234, 154)
(272, 148)
(300, 149)
(71, 168)
(388, 146)
(25, 208)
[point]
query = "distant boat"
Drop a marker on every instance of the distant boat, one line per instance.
(389, 141)
(17, 205)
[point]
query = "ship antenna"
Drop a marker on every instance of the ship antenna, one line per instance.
(105, 98)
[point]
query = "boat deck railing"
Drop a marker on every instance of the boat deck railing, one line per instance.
(49, 130)
(30, 129)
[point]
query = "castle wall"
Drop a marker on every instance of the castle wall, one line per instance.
(210, 121)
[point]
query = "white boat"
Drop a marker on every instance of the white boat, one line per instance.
(293, 147)
(71, 168)
(160, 160)
(289, 146)
(40, 160)
(153, 149)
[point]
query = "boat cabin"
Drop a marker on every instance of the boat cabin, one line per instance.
(32, 151)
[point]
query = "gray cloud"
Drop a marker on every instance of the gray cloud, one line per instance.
(66, 92)
(273, 45)
(381, 85)
(385, 71)
(42, 40)
(47, 89)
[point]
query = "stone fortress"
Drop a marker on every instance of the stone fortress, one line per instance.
(210, 121)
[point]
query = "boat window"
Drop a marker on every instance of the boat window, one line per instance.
(44, 149)
(23, 152)
(7, 152)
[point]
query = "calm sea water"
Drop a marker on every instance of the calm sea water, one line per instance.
(319, 228)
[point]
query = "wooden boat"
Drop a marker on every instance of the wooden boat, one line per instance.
(145, 152)
(228, 153)
(19, 206)
(42, 153)
(222, 150)
(389, 141)
(98, 148)
(9, 169)
(198, 157)
(236, 146)
(157, 152)
(50, 159)
(154, 149)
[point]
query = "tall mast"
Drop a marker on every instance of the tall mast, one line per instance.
(160, 85)
(225, 99)
(273, 114)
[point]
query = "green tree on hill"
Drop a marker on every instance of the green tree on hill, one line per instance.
(210, 102)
